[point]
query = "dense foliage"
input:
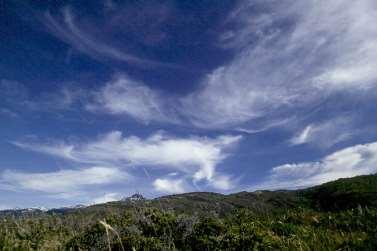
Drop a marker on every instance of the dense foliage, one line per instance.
(296, 220)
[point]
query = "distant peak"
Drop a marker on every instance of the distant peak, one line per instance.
(135, 197)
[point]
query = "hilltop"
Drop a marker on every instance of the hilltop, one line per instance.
(341, 194)
(336, 195)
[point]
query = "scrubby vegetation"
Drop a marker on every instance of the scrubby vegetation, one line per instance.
(340, 215)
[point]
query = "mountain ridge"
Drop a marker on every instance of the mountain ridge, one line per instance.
(339, 194)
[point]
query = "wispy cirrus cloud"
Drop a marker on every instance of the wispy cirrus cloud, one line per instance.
(69, 31)
(284, 54)
(56, 149)
(195, 157)
(123, 95)
(327, 133)
(17, 97)
(348, 162)
(286, 62)
(62, 181)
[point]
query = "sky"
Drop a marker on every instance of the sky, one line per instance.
(103, 99)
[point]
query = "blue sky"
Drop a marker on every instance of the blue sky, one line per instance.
(102, 99)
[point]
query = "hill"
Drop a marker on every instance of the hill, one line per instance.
(336, 195)
(344, 193)
(339, 215)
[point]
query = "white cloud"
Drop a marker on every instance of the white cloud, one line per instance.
(107, 198)
(289, 56)
(197, 157)
(171, 186)
(348, 162)
(62, 181)
(57, 149)
(326, 134)
(278, 68)
(123, 95)
(223, 182)
(302, 137)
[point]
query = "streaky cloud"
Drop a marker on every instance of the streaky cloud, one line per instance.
(69, 32)
(62, 181)
(123, 95)
(327, 133)
(195, 157)
(277, 70)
